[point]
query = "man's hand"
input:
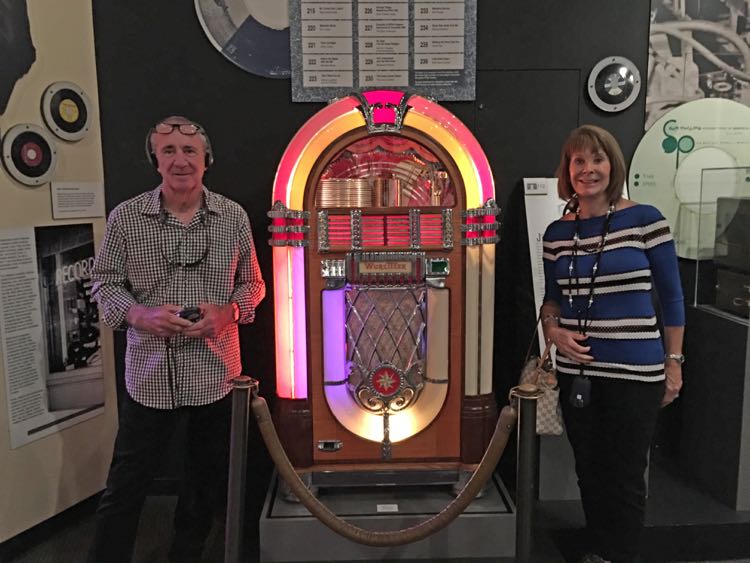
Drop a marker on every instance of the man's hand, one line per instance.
(159, 321)
(215, 318)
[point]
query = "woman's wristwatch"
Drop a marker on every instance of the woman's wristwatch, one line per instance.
(679, 358)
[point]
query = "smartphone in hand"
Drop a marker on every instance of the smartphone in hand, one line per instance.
(191, 314)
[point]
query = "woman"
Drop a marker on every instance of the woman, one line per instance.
(601, 260)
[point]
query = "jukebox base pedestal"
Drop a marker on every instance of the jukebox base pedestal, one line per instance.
(486, 530)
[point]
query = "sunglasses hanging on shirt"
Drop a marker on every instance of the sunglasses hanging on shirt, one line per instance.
(184, 248)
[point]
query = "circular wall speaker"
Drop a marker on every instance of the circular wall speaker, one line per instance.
(67, 110)
(29, 154)
(614, 83)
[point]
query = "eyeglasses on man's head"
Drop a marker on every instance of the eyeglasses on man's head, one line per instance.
(165, 128)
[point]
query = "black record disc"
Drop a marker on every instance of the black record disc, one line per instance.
(65, 107)
(614, 83)
(29, 154)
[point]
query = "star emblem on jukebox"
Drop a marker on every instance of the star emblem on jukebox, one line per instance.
(386, 381)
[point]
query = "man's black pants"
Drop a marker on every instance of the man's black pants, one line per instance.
(142, 442)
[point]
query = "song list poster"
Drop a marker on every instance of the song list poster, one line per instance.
(339, 46)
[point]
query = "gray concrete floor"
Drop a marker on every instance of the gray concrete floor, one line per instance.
(69, 544)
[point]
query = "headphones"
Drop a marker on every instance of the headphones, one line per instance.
(151, 155)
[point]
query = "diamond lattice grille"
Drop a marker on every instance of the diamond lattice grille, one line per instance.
(384, 325)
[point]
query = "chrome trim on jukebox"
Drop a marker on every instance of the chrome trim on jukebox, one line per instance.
(333, 268)
(356, 220)
(368, 112)
(280, 211)
(288, 226)
(330, 445)
(414, 228)
(478, 227)
(447, 228)
(323, 241)
(473, 223)
(490, 207)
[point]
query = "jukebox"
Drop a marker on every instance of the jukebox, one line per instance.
(383, 228)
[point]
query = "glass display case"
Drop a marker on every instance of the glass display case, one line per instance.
(715, 401)
(723, 274)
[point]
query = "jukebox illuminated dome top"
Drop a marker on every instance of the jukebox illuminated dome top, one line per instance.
(383, 228)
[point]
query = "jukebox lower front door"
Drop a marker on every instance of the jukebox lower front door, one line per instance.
(386, 390)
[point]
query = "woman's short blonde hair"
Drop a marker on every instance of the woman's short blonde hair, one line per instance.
(593, 138)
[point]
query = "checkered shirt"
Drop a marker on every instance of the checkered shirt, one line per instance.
(149, 257)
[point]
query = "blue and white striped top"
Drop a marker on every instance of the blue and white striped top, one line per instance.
(622, 331)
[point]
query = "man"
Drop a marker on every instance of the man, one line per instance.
(178, 270)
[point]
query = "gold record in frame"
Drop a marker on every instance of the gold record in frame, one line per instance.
(66, 110)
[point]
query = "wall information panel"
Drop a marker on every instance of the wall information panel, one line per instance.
(343, 45)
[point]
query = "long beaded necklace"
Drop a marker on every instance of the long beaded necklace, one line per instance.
(583, 314)
(580, 393)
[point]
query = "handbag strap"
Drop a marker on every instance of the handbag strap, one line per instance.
(547, 348)
(545, 354)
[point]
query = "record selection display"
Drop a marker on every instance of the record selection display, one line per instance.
(614, 84)
(29, 154)
(67, 110)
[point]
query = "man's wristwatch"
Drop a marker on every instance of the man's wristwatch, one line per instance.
(235, 312)
(679, 358)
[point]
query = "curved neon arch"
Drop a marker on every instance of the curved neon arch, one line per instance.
(318, 133)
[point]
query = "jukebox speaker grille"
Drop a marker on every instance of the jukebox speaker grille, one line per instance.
(386, 327)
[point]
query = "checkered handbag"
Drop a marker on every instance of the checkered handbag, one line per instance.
(539, 372)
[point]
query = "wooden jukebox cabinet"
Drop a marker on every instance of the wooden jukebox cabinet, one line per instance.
(383, 229)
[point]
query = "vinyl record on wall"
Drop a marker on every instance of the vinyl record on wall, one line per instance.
(67, 110)
(253, 34)
(29, 154)
(614, 84)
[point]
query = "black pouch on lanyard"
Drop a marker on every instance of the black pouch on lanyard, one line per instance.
(580, 392)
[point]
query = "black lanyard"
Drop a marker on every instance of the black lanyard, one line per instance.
(583, 314)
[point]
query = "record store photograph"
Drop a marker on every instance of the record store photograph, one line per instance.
(439, 281)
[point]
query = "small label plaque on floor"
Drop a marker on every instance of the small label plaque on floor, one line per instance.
(387, 508)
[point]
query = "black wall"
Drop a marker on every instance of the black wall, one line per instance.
(534, 57)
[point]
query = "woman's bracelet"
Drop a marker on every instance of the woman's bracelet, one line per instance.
(550, 317)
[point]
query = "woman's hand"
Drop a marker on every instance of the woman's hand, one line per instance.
(673, 372)
(568, 343)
